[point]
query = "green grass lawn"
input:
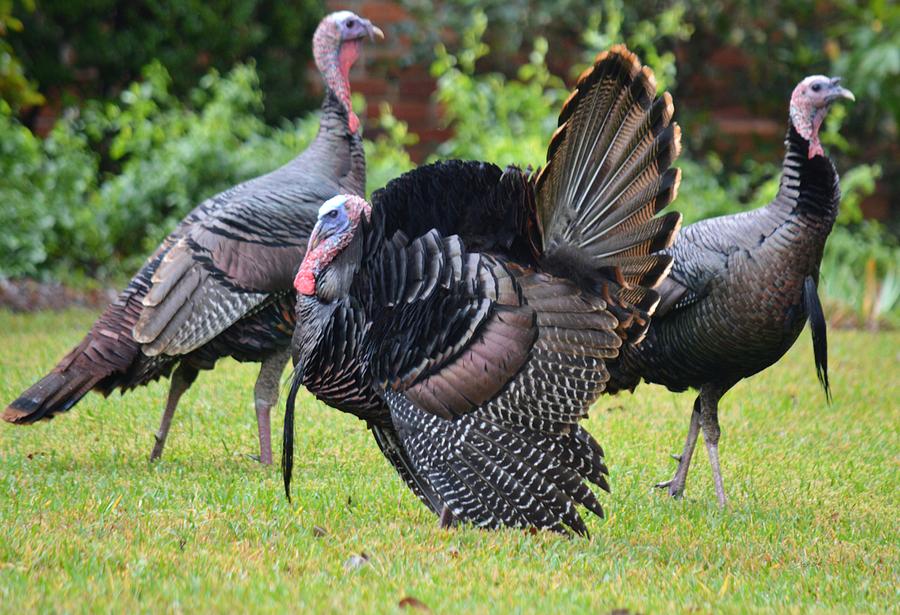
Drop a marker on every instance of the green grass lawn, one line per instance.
(87, 525)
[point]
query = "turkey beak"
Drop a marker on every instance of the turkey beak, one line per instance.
(374, 31)
(314, 239)
(839, 92)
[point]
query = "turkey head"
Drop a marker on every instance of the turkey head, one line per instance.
(810, 102)
(333, 251)
(336, 47)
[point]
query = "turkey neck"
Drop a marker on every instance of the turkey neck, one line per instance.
(334, 136)
(809, 193)
(338, 125)
(312, 321)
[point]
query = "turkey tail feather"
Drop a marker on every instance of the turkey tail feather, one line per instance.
(56, 392)
(287, 440)
(608, 175)
(818, 328)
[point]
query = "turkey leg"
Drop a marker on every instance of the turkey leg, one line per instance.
(709, 422)
(266, 395)
(675, 484)
(182, 380)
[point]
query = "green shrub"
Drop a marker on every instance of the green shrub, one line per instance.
(43, 196)
(15, 87)
(386, 156)
(93, 49)
(74, 212)
(495, 118)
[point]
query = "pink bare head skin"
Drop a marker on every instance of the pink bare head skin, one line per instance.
(810, 102)
(336, 47)
(335, 228)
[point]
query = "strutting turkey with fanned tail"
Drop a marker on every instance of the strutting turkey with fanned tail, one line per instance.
(467, 315)
(743, 286)
(221, 283)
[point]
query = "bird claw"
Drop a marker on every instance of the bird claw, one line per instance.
(674, 486)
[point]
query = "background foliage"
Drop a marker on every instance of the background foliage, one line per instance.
(117, 171)
(768, 44)
(74, 211)
(94, 49)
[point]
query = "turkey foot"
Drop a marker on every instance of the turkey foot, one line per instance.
(675, 485)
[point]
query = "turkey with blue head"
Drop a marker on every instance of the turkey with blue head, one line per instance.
(468, 313)
(221, 283)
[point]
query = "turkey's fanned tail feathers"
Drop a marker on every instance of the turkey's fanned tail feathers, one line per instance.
(608, 175)
(104, 359)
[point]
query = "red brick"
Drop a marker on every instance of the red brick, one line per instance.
(434, 135)
(760, 127)
(383, 12)
(342, 5)
(878, 205)
(417, 88)
(370, 86)
(729, 57)
(420, 151)
(419, 126)
(412, 111)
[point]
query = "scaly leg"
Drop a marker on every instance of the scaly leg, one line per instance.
(676, 483)
(182, 380)
(709, 422)
(266, 395)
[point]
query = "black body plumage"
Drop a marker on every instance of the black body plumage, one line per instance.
(740, 291)
(741, 286)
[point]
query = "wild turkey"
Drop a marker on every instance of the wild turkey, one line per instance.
(743, 286)
(467, 315)
(220, 284)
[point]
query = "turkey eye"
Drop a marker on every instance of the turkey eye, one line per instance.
(816, 87)
(350, 23)
(332, 214)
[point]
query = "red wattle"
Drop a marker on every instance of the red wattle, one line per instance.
(347, 56)
(305, 282)
(353, 122)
